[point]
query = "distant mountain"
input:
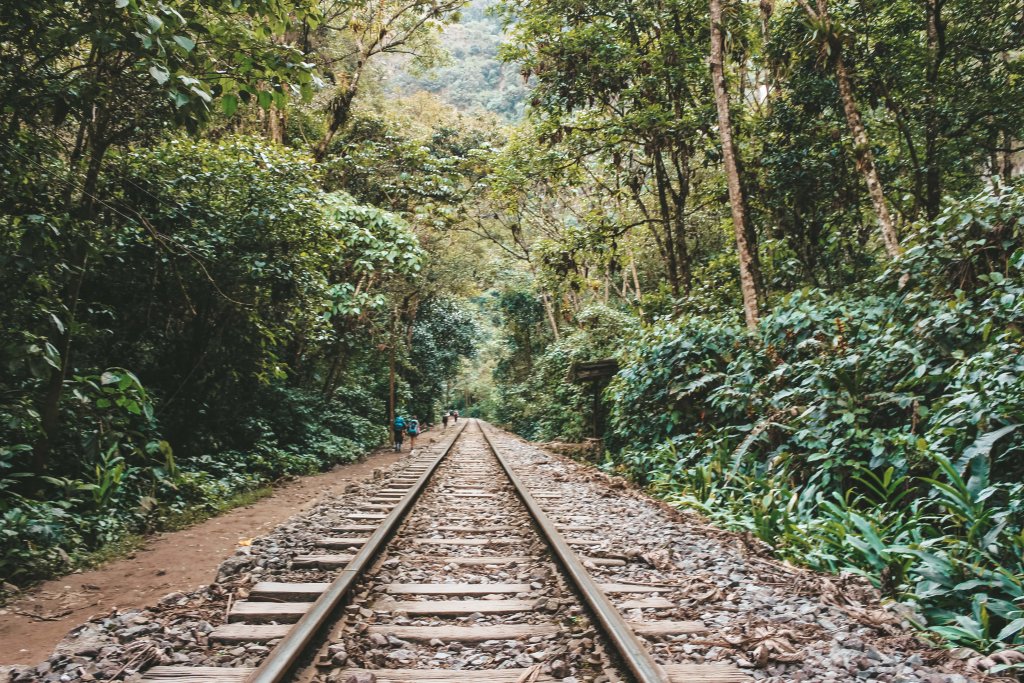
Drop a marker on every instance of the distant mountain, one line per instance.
(474, 78)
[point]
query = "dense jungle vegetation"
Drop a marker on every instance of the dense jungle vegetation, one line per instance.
(235, 234)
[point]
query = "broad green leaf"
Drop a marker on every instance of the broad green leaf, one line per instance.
(186, 43)
(159, 73)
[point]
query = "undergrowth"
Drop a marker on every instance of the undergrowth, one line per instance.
(875, 430)
(52, 525)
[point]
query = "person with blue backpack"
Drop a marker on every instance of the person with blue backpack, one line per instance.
(399, 428)
(413, 430)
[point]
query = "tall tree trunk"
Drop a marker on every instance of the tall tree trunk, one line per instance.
(340, 110)
(661, 180)
(1007, 158)
(548, 310)
(680, 196)
(936, 55)
(746, 247)
(49, 413)
(636, 277)
(861, 143)
(275, 124)
(866, 159)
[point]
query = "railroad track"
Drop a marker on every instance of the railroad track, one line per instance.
(464, 561)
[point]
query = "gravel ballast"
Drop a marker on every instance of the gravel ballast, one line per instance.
(773, 621)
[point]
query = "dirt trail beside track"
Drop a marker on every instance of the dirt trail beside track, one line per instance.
(173, 561)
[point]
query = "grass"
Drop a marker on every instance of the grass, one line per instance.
(191, 517)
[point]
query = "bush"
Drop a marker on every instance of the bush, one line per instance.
(547, 404)
(875, 430)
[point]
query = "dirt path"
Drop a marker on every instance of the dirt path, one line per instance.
(174, 561)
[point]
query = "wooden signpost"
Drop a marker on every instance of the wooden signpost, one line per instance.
(597, 374)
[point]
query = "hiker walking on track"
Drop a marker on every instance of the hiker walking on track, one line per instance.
(399, 428)
(456, 417)
(413, 430)
(444, 420)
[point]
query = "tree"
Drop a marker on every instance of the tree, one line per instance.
(861, 142)
(98, 75)
(366, 29)
(746, 244)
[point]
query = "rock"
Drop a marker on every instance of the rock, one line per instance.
(130, 634)
(171, 598)
(524, 660)
(231, 566)
(10, 673)
(401, 656)
(361, 677)
(559, 669)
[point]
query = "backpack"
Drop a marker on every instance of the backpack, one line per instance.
(414, 427)
(399, 423)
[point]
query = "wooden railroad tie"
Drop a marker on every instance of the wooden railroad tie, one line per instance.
(249, 633)
(479, 560)
(197, 674)
(466, 634)
(321, 561)
(287, 592)
(456, 588)
(283, 612)
(468, 541)
(341, 542)
(677, 673)
(455, 607)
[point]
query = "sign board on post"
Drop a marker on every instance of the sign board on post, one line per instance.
(597, 373)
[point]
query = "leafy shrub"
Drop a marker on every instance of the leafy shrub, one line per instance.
(877, 430)
(547, 404)
(194, 309)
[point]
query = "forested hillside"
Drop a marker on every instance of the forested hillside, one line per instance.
(470, 76)
(237, 237)
(220, 265)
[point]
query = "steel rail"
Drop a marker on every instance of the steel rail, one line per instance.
(283, 658)
(629, 648)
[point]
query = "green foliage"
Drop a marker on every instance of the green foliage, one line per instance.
(879, 432)
(192, 310)
(443, 336)
(417, 161)
(472, 78)
(252, 275)
(112, 69)
(541, 401)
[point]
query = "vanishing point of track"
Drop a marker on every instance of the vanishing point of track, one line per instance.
(438, 539)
